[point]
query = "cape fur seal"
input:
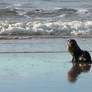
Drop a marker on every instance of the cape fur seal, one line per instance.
(77, 54)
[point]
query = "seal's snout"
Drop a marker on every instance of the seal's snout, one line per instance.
(68, 43)
(69, 40)
(72, 42)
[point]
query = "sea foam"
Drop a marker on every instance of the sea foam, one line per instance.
(46, 28)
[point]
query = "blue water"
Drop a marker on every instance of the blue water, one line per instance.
(52, 3)
(46, 66)
(38, 72)
(34, 72)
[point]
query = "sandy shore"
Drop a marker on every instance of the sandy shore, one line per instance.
(42, 65)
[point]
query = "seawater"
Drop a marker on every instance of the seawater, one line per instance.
(52, 72)
(45, 17)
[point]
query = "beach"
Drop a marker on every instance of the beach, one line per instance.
(33, 41)
(41, 65)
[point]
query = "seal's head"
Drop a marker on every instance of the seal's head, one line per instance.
(72, 43)
(72, 46)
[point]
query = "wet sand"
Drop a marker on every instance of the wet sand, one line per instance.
(45, 67)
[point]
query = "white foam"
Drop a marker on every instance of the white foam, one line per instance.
(48, 28)
(83, 11)
(63, 15)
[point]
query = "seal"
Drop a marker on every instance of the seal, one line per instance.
(78, 54)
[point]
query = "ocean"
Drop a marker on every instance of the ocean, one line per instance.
(42, 62)
(43, 65)
(46, 17)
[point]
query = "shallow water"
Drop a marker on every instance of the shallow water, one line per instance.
(52, 72)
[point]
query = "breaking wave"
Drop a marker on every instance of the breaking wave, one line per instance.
(46, 28)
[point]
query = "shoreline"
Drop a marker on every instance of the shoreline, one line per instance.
(40, 44)
(25, 37)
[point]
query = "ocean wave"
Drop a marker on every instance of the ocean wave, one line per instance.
(43, 13)
(58, 12)
(50, 13)
(40, 13)
(8, 11)
(46, 28)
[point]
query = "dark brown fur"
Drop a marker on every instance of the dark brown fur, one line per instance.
(77, 54)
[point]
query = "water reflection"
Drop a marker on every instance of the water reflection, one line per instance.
(76, 70)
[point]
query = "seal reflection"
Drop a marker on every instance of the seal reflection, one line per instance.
(76, 70)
